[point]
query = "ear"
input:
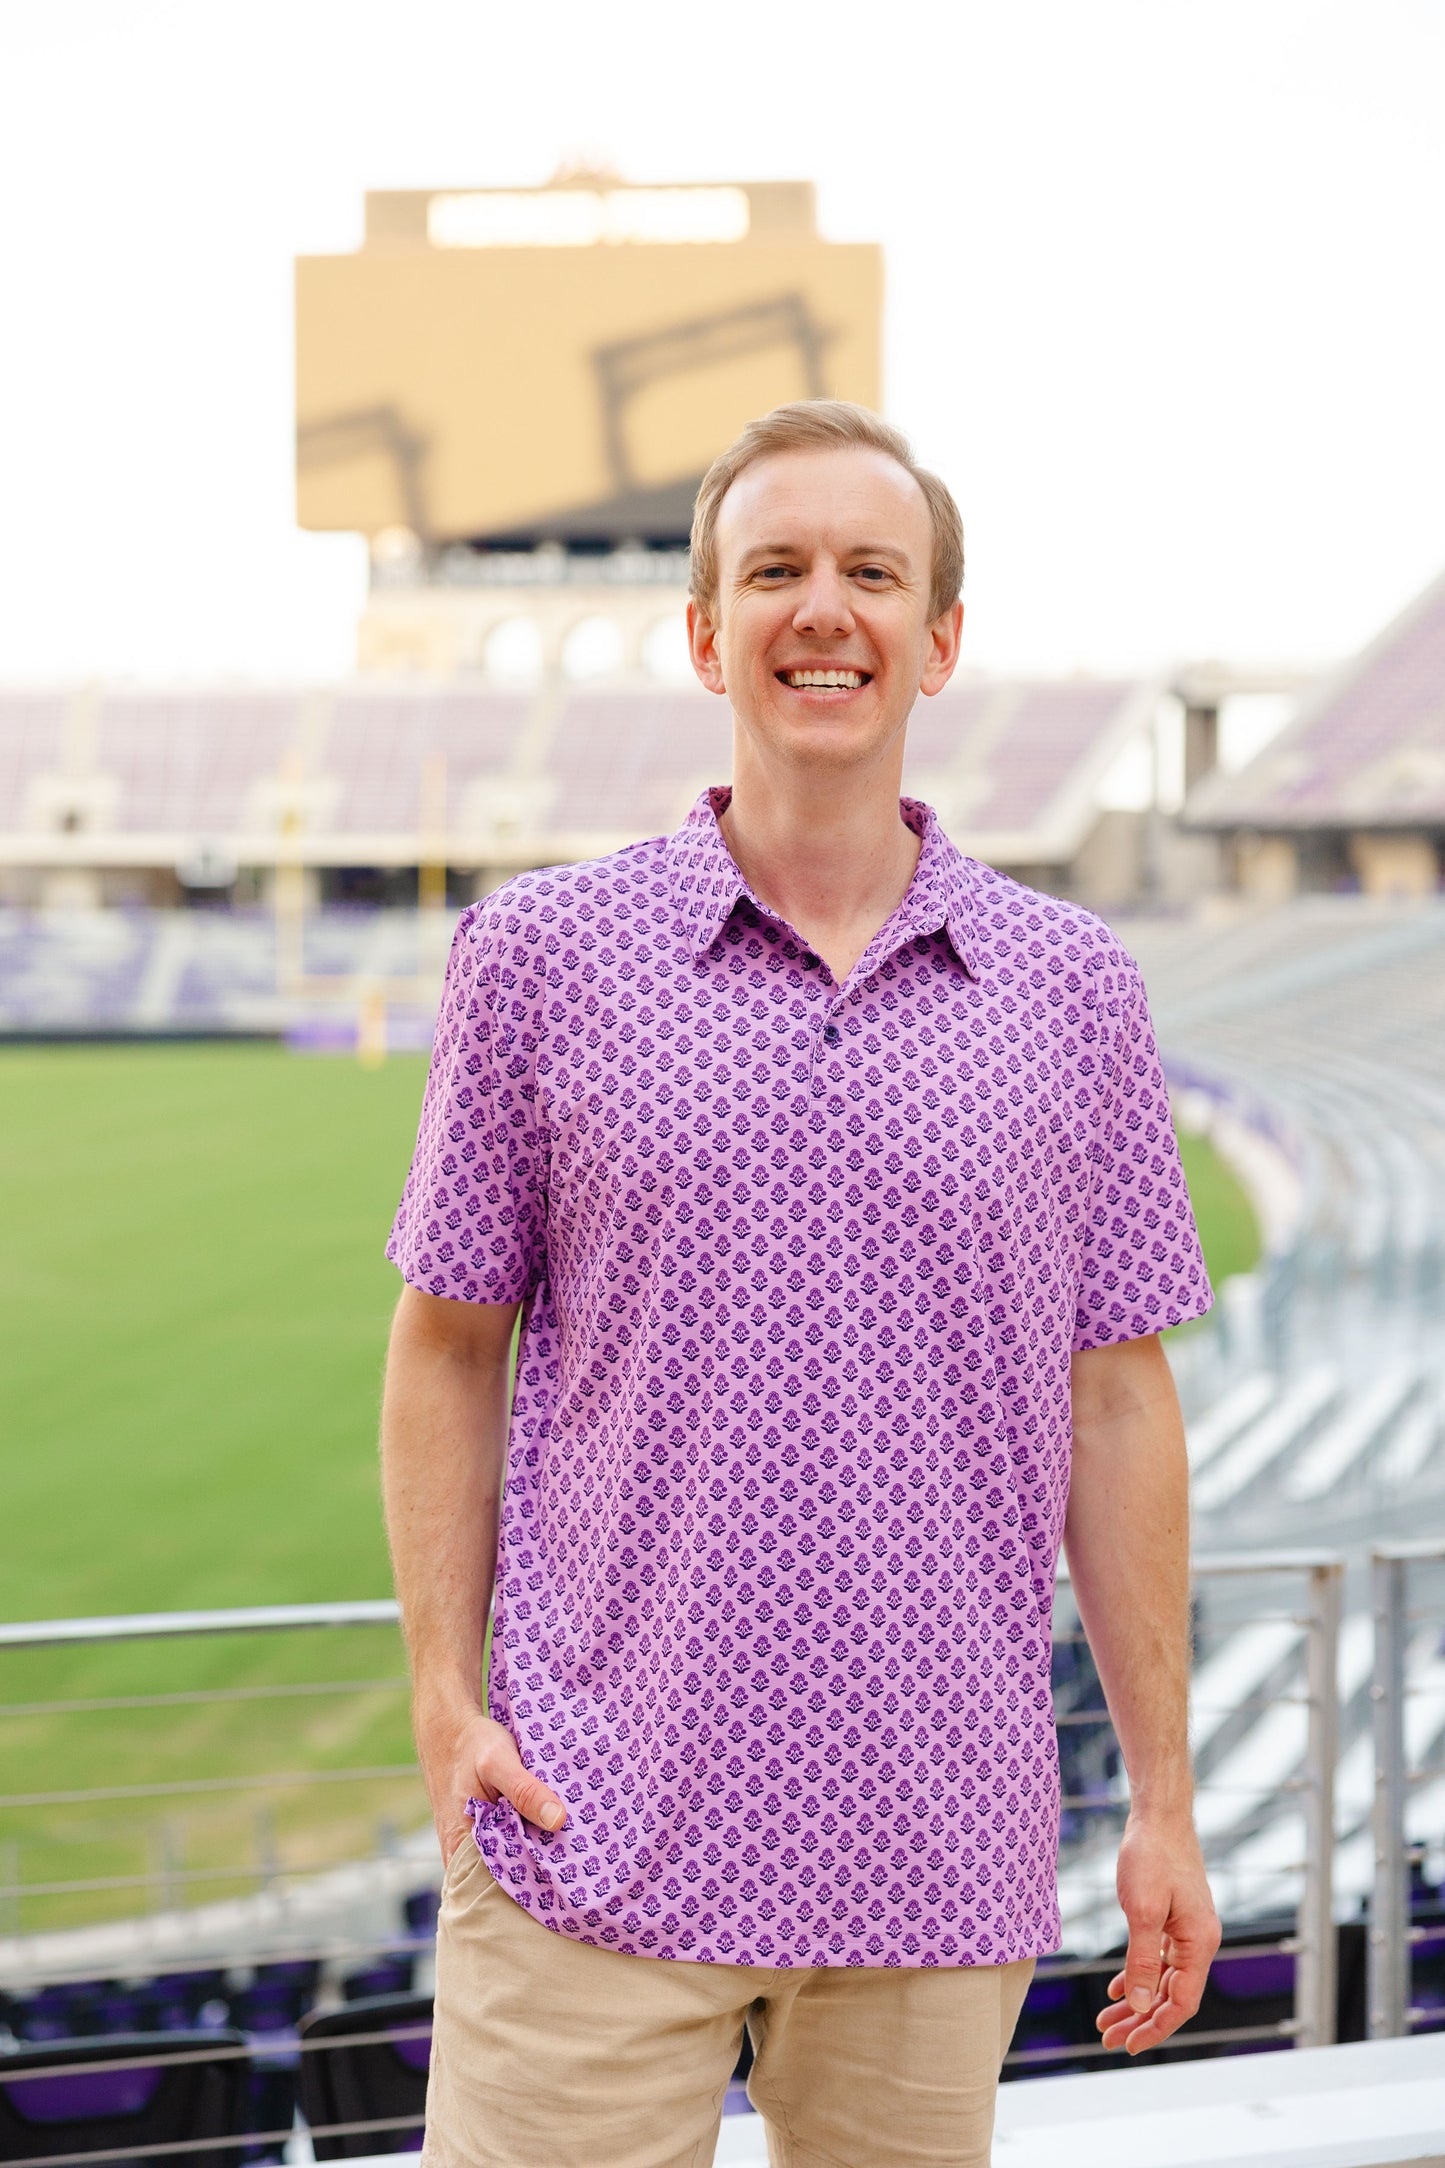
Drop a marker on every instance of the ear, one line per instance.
(702, 646)
(945, 638)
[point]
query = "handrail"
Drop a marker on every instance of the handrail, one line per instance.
(1243, 1562)
(152, 1625)
(183, 2058)
(1424, 1550)
(1317, 1618)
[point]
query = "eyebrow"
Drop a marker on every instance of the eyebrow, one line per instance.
(858, 549)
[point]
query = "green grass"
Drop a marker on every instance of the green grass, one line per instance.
(195, 1307)
(1225, 1216)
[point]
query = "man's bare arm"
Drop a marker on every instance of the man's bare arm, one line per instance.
(1127, 1538)
(443, 1450)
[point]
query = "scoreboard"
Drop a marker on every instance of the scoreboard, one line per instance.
(513, 366)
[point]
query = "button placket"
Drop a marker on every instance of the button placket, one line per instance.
(827, 1039)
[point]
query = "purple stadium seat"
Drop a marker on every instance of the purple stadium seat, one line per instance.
(140, 2106)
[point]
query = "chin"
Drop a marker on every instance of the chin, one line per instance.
(830, 739)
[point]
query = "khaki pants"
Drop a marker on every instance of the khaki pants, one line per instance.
(549, 2053)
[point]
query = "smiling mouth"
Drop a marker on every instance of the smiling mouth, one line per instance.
(847, 681)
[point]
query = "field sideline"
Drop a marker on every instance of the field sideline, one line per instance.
(196, 1305)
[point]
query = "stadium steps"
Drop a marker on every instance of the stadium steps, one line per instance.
(1411, 1445)
(1338, 1450)
(1324, 957)
(1284, 1426)
(1221, 1424)
(1261, 1770)
(1236, 1673)
(1424, 1747)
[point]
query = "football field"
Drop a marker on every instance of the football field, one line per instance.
(196, 1305)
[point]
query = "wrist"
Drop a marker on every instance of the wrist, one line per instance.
(445, 1700)
(1162, 1805)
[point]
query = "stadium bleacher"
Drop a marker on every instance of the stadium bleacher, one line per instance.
(1014, 760)
(1322, 1019)
(1248, 1732)
(380, 771)
(181, 769)
(32, 728)
(626, 767)
(374, 757)
(1337, 1451)
(1368, 747)
(1284, 1427)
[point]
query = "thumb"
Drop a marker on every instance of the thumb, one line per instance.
(535, 1801)
(1143, 1964)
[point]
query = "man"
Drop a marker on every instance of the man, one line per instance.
(833, 1178)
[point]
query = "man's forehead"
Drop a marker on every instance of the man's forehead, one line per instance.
(851, 493)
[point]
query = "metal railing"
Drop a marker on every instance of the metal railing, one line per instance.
(238, 2140)
(301, 1703)
(159, 1625)
(325, 1917)
(1319, 1577)
(1231, 1587)
(1396, 1572)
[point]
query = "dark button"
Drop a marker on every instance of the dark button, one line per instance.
(808, 960)
(831, 1035)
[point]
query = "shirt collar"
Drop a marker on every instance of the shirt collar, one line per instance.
(707, 885)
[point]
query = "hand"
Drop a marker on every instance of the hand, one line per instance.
(1173, 1934)
(467, 1755)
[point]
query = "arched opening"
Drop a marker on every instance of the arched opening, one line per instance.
(513, 652)
(665, 651)
(593, 648)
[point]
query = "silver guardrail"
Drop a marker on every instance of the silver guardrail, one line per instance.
(1397, 1570)
(157, 1625)
(197, 1930)
(1312, 1612)
(1319, 1575)
(170, 1884)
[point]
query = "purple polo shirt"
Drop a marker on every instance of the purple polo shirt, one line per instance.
(803, 1266)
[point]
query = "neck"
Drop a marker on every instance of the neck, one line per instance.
(832, 856)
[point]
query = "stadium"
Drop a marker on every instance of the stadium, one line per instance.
(224, 913)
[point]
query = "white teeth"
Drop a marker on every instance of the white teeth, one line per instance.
(850, 680)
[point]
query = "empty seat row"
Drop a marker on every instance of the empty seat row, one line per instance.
(359, 2073)
(363, 2065)
(375, 760)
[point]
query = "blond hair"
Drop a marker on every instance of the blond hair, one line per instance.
(813, 425)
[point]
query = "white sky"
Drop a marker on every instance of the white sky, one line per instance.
(1164, 291)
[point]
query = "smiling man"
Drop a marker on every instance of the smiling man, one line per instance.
(832, 1176)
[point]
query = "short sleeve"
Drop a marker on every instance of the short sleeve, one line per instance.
(1141, 1267)
(472, 1217)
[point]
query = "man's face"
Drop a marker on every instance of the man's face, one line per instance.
(821, 635)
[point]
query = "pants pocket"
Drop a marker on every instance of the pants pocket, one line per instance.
(461, 1858)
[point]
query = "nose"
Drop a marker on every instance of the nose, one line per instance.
(823, 606)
